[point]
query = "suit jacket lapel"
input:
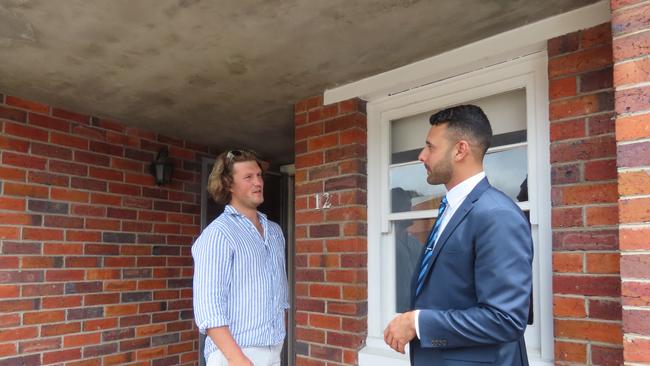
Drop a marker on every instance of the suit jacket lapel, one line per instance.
(460, 214)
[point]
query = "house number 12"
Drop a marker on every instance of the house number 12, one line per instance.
(323, 201)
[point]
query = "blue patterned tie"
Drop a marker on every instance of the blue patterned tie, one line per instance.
(428, 252)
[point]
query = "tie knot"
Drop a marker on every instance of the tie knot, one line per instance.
(443, 203)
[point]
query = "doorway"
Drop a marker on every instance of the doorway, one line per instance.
(278, 206)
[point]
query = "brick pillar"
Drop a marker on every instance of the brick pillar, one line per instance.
(586, 280)
(631, 45)
(331, 259)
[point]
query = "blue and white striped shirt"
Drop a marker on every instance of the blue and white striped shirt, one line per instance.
(240, 280)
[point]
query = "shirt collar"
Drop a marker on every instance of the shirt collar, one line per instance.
(233, 211)
(456, 195)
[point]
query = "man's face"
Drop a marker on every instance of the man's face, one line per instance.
(437, 155)
(247, 187)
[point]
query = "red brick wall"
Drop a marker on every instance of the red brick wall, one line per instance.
(586, 280)
(631, 28)
(331, 274)
(96, 265)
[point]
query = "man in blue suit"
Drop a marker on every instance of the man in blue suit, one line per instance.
(470, 294)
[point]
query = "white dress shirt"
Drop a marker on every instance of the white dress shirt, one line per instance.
(455, 198)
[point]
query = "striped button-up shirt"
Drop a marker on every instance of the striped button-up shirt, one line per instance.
(240, 280)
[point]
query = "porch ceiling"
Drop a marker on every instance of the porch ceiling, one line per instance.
(226, 73)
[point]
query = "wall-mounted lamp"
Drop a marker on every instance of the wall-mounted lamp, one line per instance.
(161, 168)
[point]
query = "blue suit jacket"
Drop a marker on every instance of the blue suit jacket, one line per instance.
(475, 298)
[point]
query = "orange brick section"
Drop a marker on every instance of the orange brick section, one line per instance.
(586, 282)
(631, 51)
(331, 246)
(95, 264)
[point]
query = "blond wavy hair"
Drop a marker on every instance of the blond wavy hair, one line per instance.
(220, 180)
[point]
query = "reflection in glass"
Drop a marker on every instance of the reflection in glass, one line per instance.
(412, 178)
(410, 238)
(507, 170)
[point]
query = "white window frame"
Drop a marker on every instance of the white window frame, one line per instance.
(527, 72)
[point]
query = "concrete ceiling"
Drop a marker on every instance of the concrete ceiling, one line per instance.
(226, 73)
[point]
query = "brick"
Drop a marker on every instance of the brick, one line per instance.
(634, 238)
(586, 285)
(72, 116)
(568, 130)
(634, 183)
(634, 210)
(604, 309)
(309, 160)
(68, 168)
(635, 265)
(601, 124)
(636, 321)
(7, 173)
(581, 61)
(602, 215)
(601, 239)
(101, 249)
(631, 72)
(564, 44)
(566, 174)
(9, 233)
(596, 80)
(102, 224)
(13, 114)
(42, 234)
(632, 100)
(600, 170)
(633, 155)
(106, 174)
(42, 289)
(27, 104)
(68, 140)
(636, 349)
(9, 320)
(570, 352)
(39, 345)
(7, 306)
(589, 330)
(585, 194)
(102, 274)
(633, 127)
(25, 190)
(603, 263)
(635, 293)
(84, 339)
(12, 204)
(562, 88)
(568, 262)
(582, 105)
(323, 231)
(20, 219)
(62, 248)
(48, 179)
(59, 302)
(83, 287)
(49, 122)
(7, 143)
(631, 46)
(64, 355)
(595, 36)
(569, 307)
(53, 316)
(63, 222)
(23, 161)
(64, 275)
(21, 276)
(105, 199)
(92, 158)
(41, 262)
(567, 217)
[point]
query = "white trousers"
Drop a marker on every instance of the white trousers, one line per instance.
(259, 356)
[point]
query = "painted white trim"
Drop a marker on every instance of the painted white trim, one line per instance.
(528, 72)
(493, 50)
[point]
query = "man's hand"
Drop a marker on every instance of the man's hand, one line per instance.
(400, 331)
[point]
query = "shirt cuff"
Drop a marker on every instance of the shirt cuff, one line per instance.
(417, 323)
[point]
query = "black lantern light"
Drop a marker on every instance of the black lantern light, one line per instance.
(161, 168)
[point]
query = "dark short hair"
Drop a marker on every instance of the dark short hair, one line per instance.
(466, 122)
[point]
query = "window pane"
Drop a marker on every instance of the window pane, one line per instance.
(507, 170)
(410, 190)
(410, 237)
(506, 112)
